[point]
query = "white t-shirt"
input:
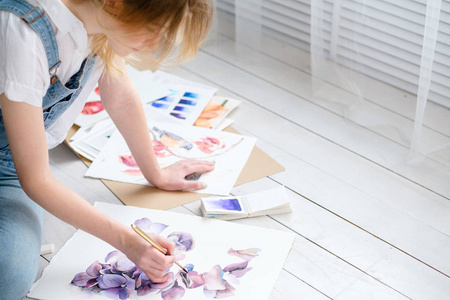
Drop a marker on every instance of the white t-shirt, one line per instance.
(24, 67)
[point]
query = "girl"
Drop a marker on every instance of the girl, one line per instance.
(52, 54)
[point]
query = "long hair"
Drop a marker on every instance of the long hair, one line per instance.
(183, 24)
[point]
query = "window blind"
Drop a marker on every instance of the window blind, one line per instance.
(388, 35)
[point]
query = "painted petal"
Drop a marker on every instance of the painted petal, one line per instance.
(146, 225)
(130, 284)
(238, 269)
(145, 288)
(92, 107)
(81, 279)
(196, 279)
(184, 278)
(214, 279)
(231, 279)
(94, 269)
(122, 265)
(209, 293)
(148, 286)
(246, 254)
(236, 266)
(174, 293)
(128, 161)
(133, 172)
(157, 228)
(158, 146)
(106, 269)
(116, 293)
(240, 273)
(113, 255)
(182, 238)
(138, 281)
(211, 140)
(111, 281)
(179, 248)
(91, 282)
(143, 223)
(228, 292)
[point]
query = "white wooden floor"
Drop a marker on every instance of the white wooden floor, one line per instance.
(367, 227)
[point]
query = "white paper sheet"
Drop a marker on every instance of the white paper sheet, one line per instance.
(187, 101)
(142, 80)
(172, 143)
(213, 239)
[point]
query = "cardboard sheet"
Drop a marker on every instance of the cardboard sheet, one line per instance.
(259, 165)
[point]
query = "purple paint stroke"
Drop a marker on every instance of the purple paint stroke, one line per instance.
(119, 278)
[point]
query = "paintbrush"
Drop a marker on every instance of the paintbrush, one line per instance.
(154, 244)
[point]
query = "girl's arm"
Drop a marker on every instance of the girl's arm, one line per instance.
(26, 136)
(124, 106)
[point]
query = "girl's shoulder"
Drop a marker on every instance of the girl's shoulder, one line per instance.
(23, 60)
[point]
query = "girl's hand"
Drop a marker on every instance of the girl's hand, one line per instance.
(173, 177)
(149, 259)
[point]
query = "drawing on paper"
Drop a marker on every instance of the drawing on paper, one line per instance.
(172, 143)
(119, 278)
(184, 106)
(166, 144)
(216, 111)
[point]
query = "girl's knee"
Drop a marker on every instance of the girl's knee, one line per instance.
(19, 262)
(19, 253)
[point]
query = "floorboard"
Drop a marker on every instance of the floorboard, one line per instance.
(367, 224)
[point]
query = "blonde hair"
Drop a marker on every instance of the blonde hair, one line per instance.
(183, 24)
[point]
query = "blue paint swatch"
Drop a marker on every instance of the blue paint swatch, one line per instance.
(160, 105)
(188, 102)
(224, 204)
(182, 108)
(169, 99)
(178, 116)
(191, 95)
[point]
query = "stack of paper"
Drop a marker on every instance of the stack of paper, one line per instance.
(166, 98)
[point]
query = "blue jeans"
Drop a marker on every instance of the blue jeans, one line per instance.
(21, 221)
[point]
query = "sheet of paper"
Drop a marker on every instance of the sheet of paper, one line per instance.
(267, 199)
(215, 112)
(172, 143)
(209, 256)
(148, 90)
(187, 101)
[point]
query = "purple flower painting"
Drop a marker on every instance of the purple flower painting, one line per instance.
(119, 278)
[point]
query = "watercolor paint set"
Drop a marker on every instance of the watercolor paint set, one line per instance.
(272, 201)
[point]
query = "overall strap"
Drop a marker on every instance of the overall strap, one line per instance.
(36, 18)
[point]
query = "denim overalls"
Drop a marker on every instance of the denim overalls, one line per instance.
(21, 218)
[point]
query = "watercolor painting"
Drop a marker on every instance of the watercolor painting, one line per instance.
(216, 111)
(93, 110)
(187, 99)
(119, 278)
(184, 105)
(224, 260)
(148, 90)
(172, 143)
